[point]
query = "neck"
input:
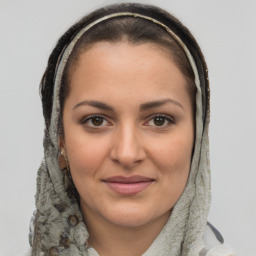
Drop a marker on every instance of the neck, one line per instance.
(109, 239)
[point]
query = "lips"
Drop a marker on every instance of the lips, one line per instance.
(128, 185)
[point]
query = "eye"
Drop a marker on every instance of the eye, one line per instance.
(160, 121)
(95, 121)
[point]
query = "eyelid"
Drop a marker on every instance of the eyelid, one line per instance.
(169, 118)
(89, 117)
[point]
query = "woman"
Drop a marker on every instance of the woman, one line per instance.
(126, 105)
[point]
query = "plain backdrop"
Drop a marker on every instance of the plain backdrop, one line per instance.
(226, 32)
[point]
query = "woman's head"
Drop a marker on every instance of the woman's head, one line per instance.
(115, 69)
(127, 99)
(127, 95)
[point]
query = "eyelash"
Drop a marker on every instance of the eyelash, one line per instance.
(88, 119)
(166, 118)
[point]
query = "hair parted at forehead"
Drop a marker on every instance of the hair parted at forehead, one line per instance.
(133, 30)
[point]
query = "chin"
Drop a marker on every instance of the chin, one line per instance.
(129, 222)
(128, 217)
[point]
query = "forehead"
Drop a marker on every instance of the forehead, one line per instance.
(122, 58)
(108, 70)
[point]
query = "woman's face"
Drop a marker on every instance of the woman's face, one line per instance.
(128, 125)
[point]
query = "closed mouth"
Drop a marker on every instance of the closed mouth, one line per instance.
(131, 179)
(128, 185)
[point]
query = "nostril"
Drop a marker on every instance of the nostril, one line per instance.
(126, 163)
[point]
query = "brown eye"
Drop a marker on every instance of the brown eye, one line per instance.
(97, 120)
(159, 120)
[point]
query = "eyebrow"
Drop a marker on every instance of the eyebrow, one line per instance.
(93, 103)
(143, 107)
(159, 103)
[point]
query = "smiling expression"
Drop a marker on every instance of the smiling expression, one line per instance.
(128, 133)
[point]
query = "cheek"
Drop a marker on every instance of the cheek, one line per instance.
(173, 154)
(171, 157)
(85, 154)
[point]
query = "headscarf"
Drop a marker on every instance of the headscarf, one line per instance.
(57, 227)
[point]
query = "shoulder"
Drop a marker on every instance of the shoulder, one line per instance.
(212, 236)
(214, 243)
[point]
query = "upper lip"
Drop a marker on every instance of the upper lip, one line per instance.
(130, 179)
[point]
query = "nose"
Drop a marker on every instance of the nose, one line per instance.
(127, 148)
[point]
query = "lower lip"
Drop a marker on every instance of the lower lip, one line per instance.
(129, 188)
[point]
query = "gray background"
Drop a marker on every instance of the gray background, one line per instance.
(226, 31)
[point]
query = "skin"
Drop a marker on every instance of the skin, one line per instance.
(127, 140)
